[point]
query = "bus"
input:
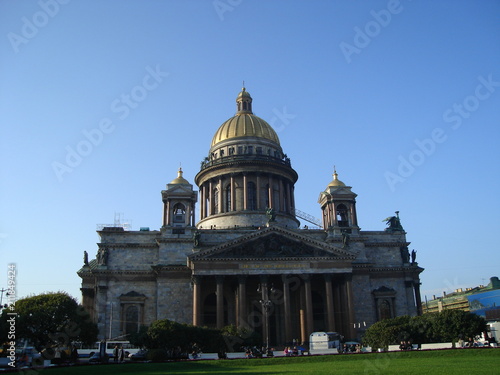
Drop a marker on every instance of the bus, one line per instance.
(87, 351)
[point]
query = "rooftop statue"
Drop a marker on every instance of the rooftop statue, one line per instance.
(394, 224)
(271, 214)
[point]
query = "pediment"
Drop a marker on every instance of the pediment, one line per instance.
(273, 243)
(179, 189)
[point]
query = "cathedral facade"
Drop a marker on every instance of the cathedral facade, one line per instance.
(246, 261)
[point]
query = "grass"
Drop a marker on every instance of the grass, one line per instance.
(456, 362)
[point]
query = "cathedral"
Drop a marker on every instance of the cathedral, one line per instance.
(242, 258)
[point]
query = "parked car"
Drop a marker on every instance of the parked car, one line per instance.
(141, 355)
(96, 358)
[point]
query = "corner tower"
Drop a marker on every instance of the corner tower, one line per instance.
(338, 204)
(245, 173)
(179, 202)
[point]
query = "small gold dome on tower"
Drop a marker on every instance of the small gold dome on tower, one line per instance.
(336, 182)
(179, 180)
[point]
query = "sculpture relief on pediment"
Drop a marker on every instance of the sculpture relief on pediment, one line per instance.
(272, 247)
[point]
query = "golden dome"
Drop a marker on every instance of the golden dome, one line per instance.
(245, 123)
(244, 93)
(336, 182)
(179, 180)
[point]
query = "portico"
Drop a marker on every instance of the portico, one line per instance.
(308, 286)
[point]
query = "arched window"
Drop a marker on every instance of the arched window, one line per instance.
(252, 196)
(179, 216)
(385, 309)
(342, 218)
(228, 198)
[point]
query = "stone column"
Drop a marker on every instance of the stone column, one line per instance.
(418, 298)
(210, 199)
(329, 303)
(350, 305)
(202, 201)
(219, 292)
(354, 216)
(221, 201)
(197, 321)
(258, 192)
(287, 310)
(309, 309)
(233, 198)
(245, 192)
(326, 216)
(288, 198)
(187, 218)
(282, 196)
(166, 213)
(270, 191)
(264, 298)
(302, 317)
(242, 298)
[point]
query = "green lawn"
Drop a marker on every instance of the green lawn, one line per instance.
(456, 362)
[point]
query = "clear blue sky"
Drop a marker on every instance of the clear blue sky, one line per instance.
(101, 101)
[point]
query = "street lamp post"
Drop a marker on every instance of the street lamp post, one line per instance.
(267, 305)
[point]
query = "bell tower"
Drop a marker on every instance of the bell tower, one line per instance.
(179, 202)
(338, 204)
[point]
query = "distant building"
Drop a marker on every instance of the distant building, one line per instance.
(246, 261)
(482, 300)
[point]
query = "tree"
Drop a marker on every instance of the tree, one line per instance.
(51, 319)
(387, 332)
(444, 326)
(452, 325)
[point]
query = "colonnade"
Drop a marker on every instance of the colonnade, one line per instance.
(297, 304)
(244, 191)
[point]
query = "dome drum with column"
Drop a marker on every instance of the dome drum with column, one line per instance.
(246, 172)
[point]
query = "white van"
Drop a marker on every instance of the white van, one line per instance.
(324, 340)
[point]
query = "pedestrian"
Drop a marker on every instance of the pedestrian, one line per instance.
(121, 354)
(115, 353)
